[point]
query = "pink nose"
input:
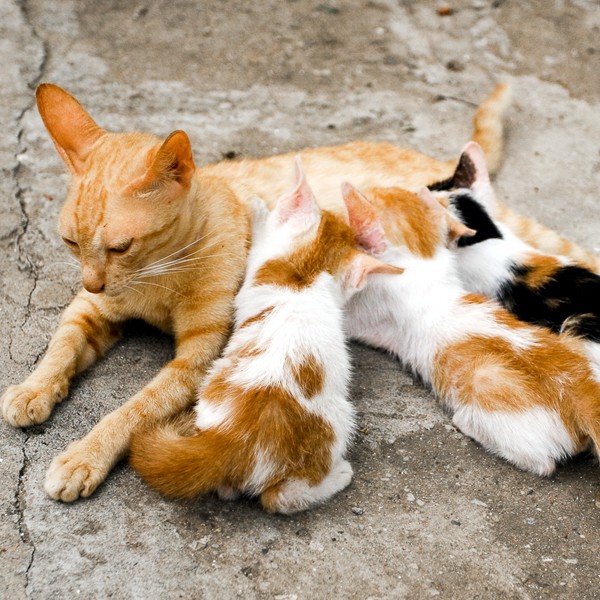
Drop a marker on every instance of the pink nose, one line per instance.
(93, 282)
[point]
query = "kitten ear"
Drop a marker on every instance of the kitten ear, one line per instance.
(363, 219)
(457, 230)
(361, 265)
(300, 202)
(430, 200)
(471, 168)
(173, 162)
(454, 229)
(72, 130)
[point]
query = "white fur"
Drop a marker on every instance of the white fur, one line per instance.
(533, 440)
(298, 495)
(297, 325)
(422, 312)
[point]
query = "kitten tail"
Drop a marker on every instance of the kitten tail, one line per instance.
(179, 466)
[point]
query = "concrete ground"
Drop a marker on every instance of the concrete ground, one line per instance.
(429, 513)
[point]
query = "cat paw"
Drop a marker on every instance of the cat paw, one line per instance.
(73, 474)
(26, 404)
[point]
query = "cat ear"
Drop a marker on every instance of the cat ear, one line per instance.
(363, 219)
(300, 202)
(471, 168)
(454, 229)
(361, 265)
(173, 162)
(72, 130)
(457, 230)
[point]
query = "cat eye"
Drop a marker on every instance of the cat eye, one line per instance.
(121, 248)
(73, 245)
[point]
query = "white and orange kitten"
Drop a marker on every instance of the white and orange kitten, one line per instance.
(273, 417)
(521, 391)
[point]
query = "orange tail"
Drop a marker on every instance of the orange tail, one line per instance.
(181, 466)
(488, 129)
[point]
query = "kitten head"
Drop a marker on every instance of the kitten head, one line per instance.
(127, 198)
(398, 220)
(470, 195)
(299, 242)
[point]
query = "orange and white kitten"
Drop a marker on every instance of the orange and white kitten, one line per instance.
(273, 417)
(521, 391)
(163, 241)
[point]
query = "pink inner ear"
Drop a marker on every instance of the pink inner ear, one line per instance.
(367, 228)
(300, 200)
(476, 155)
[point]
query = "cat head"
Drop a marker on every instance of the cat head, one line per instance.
(298, 242)
(127, 197)
(398, 220)
(469, 195)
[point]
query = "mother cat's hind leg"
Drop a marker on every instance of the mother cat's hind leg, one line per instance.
(294, 495)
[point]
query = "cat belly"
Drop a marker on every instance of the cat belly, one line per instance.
(534, 440)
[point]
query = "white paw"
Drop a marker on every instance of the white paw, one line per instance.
(74, 473)
(29, 403)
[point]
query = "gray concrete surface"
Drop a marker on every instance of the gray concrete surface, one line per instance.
(429, 513)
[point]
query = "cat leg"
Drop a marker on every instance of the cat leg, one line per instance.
(83, 335)
(85, 464)
(294, 495)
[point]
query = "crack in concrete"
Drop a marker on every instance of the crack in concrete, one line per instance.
(26, 264)
(20, 507)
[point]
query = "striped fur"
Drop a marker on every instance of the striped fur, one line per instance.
(521, 391)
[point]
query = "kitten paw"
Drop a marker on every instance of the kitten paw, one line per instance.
(26, 404)
(74, 473)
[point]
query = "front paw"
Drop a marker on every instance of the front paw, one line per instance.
(75, 473)
(29, 403)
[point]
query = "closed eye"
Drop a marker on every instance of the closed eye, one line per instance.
(121, 248)
(73, 245)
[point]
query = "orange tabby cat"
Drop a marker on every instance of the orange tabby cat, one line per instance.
(163, 241)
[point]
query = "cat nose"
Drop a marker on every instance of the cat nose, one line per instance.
(95, 287)
(93, 281)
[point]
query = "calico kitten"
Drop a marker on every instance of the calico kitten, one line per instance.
(273, 417)
(521, 391)
(552, 291)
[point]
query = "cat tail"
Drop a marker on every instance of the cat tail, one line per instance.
(488, 129)
(181, 466)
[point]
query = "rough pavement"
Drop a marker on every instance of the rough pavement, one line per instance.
(429, 513)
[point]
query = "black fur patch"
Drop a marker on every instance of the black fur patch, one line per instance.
(569, 300)
(473, 215)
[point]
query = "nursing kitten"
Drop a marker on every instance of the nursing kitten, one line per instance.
(273, 417)
(521, 391)
(538, 288)
(160, 240)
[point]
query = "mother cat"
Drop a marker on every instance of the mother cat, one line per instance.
(160, 240)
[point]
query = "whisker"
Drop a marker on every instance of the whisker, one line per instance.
(181, 249)
(177, 263)
(164, 287)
